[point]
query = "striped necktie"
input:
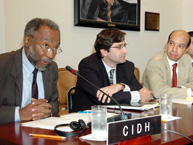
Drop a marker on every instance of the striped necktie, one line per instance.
(111, 76)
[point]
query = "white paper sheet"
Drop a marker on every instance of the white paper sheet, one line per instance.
(89, 137)
(48, 123)
(183, 101)
(51, 122)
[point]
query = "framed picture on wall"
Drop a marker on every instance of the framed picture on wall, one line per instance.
(122, 14)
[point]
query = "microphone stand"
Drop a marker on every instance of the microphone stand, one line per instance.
(123, 116)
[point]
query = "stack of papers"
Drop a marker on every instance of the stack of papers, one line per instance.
(138, 107)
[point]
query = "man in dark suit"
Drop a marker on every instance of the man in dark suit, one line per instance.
(41, 43)
(110, 71)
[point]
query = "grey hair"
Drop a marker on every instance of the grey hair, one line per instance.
(33, 25)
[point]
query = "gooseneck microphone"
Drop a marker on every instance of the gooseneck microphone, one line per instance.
(123, 116)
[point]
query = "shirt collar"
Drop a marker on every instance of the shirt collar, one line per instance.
(108, 68)
(27, 66)
(171, 62)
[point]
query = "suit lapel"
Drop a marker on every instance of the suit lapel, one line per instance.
(119, 74)
(168, 71)
(18, 75)
(181, 72)
(47, 85)
(102, 72)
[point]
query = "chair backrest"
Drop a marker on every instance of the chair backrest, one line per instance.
(137, 74)
(66, 80)
(66, 88)
(71, 92)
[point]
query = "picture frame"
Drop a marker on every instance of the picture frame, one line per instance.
(124, 14)
(152, 21)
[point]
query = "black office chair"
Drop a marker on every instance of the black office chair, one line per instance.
(70, 98)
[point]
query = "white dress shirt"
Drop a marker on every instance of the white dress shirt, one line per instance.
(134, 94)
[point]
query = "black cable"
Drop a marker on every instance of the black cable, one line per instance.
(179, 134)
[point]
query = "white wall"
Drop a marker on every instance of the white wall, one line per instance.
(77, 42)
(187, 20)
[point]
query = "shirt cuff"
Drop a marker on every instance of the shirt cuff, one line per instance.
(127, 88)
(17, 117)
(182, 86)
(135, 96)
(189, 93)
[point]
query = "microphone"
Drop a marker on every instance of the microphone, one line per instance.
(122, 116)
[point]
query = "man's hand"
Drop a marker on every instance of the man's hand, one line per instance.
(26, 112)
(110, 90)
(145, 95)
(36, 110)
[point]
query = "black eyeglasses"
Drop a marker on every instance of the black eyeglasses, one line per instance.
(120, 46)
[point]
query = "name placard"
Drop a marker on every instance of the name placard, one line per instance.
(127, 129)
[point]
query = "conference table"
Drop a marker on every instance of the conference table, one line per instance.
(15, 134)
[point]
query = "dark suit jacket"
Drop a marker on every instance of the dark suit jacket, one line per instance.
(11, 84)
(92, 68)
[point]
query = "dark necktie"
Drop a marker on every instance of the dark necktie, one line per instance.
(174, 78)
(34, 85)
(111, 76)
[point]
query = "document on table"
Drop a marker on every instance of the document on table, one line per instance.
(183, 101)
(140, 107)
(47, 123)
(51, 122)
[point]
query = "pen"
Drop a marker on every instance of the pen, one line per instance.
(163, 121)
(84, 111)
(53, 137)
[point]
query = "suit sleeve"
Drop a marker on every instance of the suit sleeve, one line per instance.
(8, 91)
(154, 80)
(98, 77)
(7, 114)
(53, 99)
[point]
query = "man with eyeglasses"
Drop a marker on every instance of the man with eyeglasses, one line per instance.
(29, 77)
(170, 71)
(110, 71)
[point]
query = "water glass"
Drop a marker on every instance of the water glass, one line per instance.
(99, 122)
(166, 106)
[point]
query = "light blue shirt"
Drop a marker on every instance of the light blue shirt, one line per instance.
(28, 68)
(134, 94)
